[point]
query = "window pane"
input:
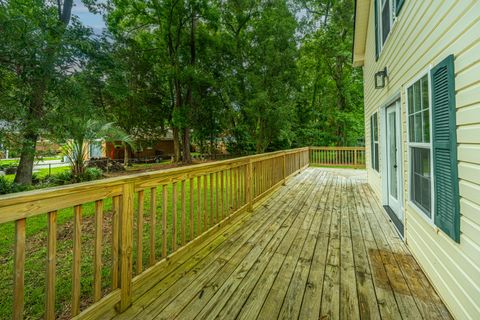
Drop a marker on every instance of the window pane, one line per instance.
(386, 20)
(425, 97)
(411, 132)
(416, 97)
(418, 127)
(421, 180)
(376, 157)
(410, 100)
(426, 126)
(426, 200)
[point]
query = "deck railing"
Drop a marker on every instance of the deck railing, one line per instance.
(135, 224)
(338, 156)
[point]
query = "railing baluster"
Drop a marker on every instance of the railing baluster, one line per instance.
(211, 201)
(19, 269)
(199, 205)
(164, 220)
(97, 265)
(140, 232)
(115, 234)
(191, 210)
(174, 217)
(205, 226)
(77, 241)
(237, 188)
(184, 214)
(222, 194)
(153, 224)
(217, 202)
(51, 265)
(231, 196)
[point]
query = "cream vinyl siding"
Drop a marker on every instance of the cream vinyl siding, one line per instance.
(423, 35)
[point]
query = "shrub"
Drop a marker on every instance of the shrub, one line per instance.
(9, 168)
(60, 178)
(91, 174)
(11, 187)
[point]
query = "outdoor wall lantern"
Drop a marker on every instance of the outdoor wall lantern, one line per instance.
(380, 77)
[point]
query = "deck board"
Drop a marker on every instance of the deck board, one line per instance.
(319, 247)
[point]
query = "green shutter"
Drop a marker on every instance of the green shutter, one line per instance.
(445, 167)
(398, 6)
(377, 49)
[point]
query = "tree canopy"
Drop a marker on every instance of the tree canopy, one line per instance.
(256, 75)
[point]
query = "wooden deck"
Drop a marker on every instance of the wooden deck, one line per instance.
(319, 248)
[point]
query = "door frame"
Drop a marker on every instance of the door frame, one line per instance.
(383, 153)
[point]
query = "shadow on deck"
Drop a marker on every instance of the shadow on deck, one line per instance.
(320, 247)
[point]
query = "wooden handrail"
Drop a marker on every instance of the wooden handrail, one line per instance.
(229, 187)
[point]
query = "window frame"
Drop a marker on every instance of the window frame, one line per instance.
(393, 19)
(375, 157)
(410, 145)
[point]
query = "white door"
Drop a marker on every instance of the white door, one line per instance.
(393, 159)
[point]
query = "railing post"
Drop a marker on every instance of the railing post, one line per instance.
(249, 185)
(284, 169)
(126, 244)
(308, 156)
(355, 157)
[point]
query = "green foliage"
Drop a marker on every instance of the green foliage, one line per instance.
(329, 107)
(257, 75)
(91, 174)
(7, 186)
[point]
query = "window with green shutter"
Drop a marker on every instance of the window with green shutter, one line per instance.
(432, 145)
(445, 166)
(419, 143)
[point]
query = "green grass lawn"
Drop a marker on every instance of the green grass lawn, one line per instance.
(141, 166)
(42, 173)
(36, 249)
(15, 161)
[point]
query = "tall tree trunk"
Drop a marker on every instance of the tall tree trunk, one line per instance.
(125, 154)
(36, 109)
(187, 158)
(27, 156)
(30, 136)
(175, 126)
(176, 145)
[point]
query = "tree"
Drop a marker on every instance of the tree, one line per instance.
(330, 101)
(77, 122)
(39, 46)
